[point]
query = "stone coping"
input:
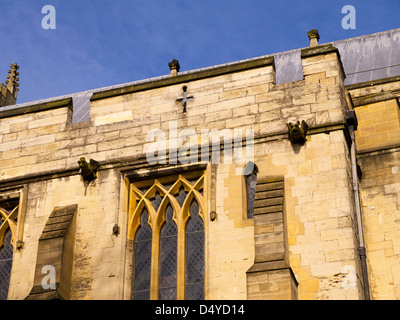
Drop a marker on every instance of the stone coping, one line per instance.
(182, 78)
(36, 108)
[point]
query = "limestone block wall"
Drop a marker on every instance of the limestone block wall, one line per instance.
(42, 141)
(95, 273)
(319, 214)
(377, 107)
(40, 148)
(380, 188)
(230, 238)
(379, 125)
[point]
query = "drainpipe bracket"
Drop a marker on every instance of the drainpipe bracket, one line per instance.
(362, 252)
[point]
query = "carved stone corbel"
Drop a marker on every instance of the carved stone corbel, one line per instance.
(297, 132)
(88, 170)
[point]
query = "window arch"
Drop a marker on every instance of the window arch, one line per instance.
(172, 208)
(8, 230)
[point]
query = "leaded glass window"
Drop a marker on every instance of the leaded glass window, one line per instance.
(174, 209)
(143, 239)
(6, 257)
(195, 255)
(168, 260)
(8, 223)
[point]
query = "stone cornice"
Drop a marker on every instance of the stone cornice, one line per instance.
(36, 108)
(322, 49)
(372, 83)
(186, 77)
(372, 98)
(140, 161)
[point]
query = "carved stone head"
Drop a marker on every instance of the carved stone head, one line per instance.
(297, 132)
(88, 170)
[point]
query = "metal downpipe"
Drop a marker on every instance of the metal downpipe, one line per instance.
(352, 123)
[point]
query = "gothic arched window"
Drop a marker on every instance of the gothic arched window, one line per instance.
(166, 222)
(8, 227)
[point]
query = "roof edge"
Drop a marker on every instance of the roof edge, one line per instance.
(189, 72)
(186, 77)
(44, 106)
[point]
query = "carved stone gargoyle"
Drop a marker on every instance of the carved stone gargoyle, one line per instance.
(297, 132)
(88, 170)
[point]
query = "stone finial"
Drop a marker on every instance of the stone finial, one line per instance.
(313, 35)
(174, 67)
(12, 79)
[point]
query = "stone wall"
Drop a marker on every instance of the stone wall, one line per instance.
(380, 197)
(377, 108)
(378, 140)
(40, 148)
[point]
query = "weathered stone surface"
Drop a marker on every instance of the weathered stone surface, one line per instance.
(55, 250)
(307, 222)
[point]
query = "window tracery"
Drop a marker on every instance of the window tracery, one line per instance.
(8, 236)
(170, 211)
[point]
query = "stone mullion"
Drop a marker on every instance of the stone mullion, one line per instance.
(183, 217)
(181, 267)
(181, 263)
(155, 263)
(157, 219)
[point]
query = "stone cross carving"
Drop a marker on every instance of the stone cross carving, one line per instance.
(185, 99)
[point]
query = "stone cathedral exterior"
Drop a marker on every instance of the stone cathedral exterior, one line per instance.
(123, 192)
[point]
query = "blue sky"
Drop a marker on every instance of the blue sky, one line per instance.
(100, 43)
